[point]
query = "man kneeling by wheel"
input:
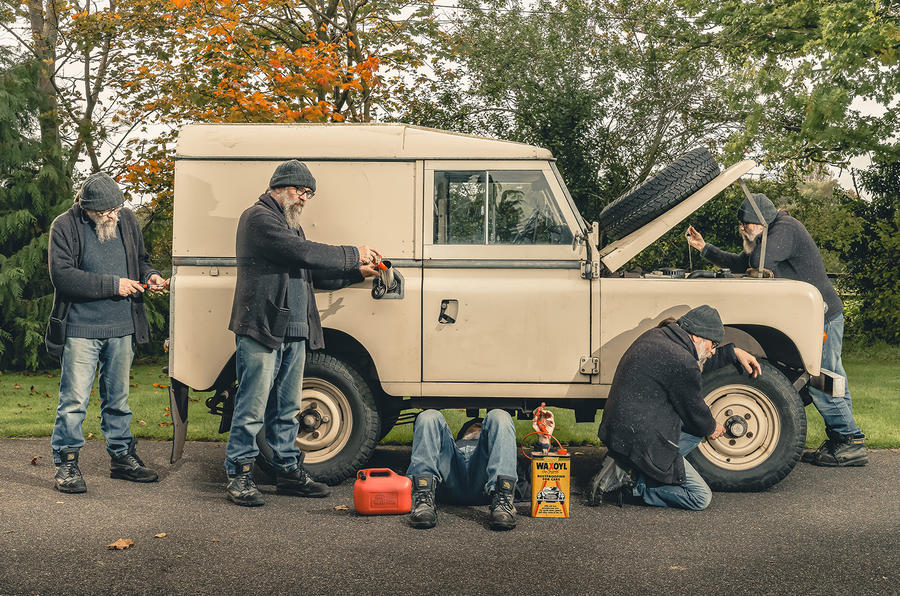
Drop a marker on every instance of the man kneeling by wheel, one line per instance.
(655, 414)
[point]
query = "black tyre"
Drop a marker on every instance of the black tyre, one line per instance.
(679, 180)
(339, 422)
(769, 429)
(389, 413)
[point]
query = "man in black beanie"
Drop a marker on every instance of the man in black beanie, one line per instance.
(791, 253)
(655, 413)
(99, 270)
(275, 320)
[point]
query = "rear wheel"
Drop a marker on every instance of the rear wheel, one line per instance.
(339, 422)
(766, 428)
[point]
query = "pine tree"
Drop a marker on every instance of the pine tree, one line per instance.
(33, 191)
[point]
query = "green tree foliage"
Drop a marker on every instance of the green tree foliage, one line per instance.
(32, 193)
(872, 257)
(795, 70)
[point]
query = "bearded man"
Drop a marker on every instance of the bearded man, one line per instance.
(655, 413)
(791, 253)
(275, 320)
(99, 270)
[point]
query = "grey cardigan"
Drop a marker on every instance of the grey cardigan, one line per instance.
(268, 252)
(74, 284)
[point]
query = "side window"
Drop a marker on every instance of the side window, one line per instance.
(496, 207)
(459, 200)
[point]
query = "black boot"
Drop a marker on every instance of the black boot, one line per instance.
(503, 512)
(839, 451)
(68, 477)
(423, 514)
(299, 484)
(241, 488)
(611, 484)
(130, 467)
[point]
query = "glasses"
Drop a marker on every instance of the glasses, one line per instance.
(108, 211)
(713, 344)
(304, 192)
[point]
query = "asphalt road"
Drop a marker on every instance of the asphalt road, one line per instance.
(820, 531)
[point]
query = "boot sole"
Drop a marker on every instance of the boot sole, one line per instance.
(502, 527)
(243, 503)
(71, 491)
(855, 463)
(294, 493)
(122, 476)
(423, 525)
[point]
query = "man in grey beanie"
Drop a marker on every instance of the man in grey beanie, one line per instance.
(275, 320)
(655, 413)
(99, 270)
(791, 253)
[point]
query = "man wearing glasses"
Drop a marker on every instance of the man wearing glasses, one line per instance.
(655, 413)
(275, 320)
(99, 269)
(791, 253)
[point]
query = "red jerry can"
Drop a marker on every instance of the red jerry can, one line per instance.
(381, 491)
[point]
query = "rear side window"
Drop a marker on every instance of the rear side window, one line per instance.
(496, 207)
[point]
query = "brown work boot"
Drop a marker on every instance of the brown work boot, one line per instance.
(839, 451)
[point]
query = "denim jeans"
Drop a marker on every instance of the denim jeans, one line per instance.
(270, 383)
(80, 360)
(693, 493)
(465, 471)
(836, 411)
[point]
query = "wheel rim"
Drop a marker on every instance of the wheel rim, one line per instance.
(333, 421)
(761, 427)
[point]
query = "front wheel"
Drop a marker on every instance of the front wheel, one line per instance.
(339, 422)
(766, 429)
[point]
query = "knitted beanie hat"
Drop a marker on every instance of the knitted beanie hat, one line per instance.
(293, 173)
(746, 214)
(100, 193)
(703, 321)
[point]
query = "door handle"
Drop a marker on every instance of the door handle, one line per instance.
(445, 318)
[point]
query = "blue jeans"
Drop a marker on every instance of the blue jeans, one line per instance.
(465, 471)
(693, 493)
(836, 411)
(80, 360)
(270, 383)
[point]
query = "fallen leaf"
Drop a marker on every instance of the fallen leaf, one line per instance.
(167, 414)
(142, 422)
(32, 388)
(34, 460)
(90, 435)
(677, 568)
(341, 508)
(160, 535)
(17, 386)
(121, 544)
(59, 502)
(49, 376)
(216, 540)
(49, 394)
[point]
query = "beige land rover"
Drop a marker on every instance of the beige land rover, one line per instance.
(499, 293)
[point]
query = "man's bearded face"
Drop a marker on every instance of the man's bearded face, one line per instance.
(750, 234)
(292, 201)
(105, 223)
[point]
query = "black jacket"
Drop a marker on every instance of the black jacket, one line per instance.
(269, 253)
(791, 253)
(656, 392)
(74, 284)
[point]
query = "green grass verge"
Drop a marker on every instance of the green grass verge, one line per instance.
(30, 410)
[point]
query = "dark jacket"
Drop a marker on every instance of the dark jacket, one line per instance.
(656, 392)
(791, 253)
(74, 284)
(269, 253)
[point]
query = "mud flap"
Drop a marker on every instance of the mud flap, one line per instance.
(178, 404)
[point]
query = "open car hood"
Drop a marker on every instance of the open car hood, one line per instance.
(623, 250)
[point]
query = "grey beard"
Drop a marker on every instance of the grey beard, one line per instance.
(105, 227)
(292, 214)
(749, 244)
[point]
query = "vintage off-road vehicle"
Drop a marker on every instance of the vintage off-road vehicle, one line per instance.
(501, 295)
